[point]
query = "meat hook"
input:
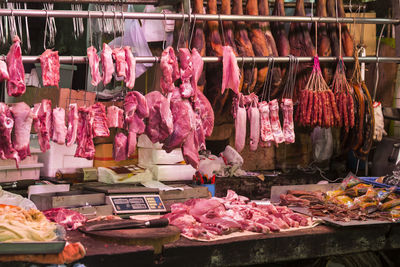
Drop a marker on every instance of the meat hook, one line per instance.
(28, 39)
(222, 29)
(191, 33)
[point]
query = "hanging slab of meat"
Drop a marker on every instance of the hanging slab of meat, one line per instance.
(188, 85)
(301, 46)
(16, 82)
(94, 62)
(43, 123)
(72, 123)
(347, 40)
(59, 128)
(115, 117)
(169, 69)
(244, 48)
(254, 119)
(288, 125)
(120, 147)
(240, 124)
(107, 64)
(7, 150)
(230, 70)
(131, 68)
(120, 62)
(3, 71)
(203, 108)
(142, 109)
(190, 150)
(333, 28)
(160, 122)
(275, 123)
(199, 44)
(100, 128)
(84, 139)
(50, 64)
(198, 65)
(23, 118)
(265, 124)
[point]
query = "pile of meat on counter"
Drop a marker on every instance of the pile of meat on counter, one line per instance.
(353, 200)
(209, 218)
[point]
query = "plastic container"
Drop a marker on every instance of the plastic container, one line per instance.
(179, 172)
(149, 156)
(25, 172)
(66, 75)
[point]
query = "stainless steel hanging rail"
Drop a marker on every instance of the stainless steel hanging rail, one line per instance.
(83, 59)
(159, 16)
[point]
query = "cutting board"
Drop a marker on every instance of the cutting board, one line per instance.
(155, 237)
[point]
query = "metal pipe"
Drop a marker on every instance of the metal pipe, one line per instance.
(160, 16)
(83, 59)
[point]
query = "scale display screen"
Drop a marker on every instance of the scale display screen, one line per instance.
(136, 203)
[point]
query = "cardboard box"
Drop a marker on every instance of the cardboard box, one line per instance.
(103, 157)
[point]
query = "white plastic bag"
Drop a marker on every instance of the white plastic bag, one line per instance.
(8, 198)
(322, 144)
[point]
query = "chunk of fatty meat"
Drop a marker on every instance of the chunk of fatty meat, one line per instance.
(120, 147)
(59, 128)
(72, 123)
(188, 85)
(42, 122)
(119, 57)
(169, 70)
(230, 72)
(3, 71)
(265, 123)
(275, 123)
(7, 150)
(190, 150)
(16, 81)
(94, 62)
(23, 118)
(100, 127)
(198, 65)
(131, 68)
(254, 119)
(69, 219)
(50, 64)
(84, 139)
(240, 125)
(203, 108)
(160, 122)
(142, 109)
(115, 117)
(107, 64)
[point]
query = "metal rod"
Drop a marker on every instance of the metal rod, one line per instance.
(83, 59)
(160, 16)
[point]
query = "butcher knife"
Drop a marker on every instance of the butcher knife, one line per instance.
(123, 224)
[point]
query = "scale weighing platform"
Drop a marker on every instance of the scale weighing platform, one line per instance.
(129, 199)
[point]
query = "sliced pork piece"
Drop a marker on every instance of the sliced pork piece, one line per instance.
(120, 147)
(160, 122)
(119, 57)
(115, 117)
(240, 124)
(3, 71)
(16, 82)
(84, 139)
(23, 118)
(50, 64)
(254, 119)
(131, 68)
(230, 72)
(7, 150)
(288, 125)
(72, 123)
(59, 128)
(169, 69)
(99, 117)
(107, 64)
(275, 123)
(188, 85)
(43, 123)
(94, 62)
(265, 123)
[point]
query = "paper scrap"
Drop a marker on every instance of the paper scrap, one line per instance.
(160, 186)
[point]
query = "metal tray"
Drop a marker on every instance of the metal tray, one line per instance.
(52, 247)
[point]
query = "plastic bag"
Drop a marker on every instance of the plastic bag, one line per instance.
(8, 198)
(322, 144)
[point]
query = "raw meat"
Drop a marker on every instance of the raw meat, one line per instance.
(188, 85)
(190, 150)
(265, 123)
(23, 118)
(240, 124)
(169, 69)
(142, 109)
(84, 138)
(120, 148)
(16, 82)
(72, 123)
(288, 126)
(107, 64)
(230, 72)
(275, 123)
(199, 45)
(119, 57)
(99, 117)
(69, 219)
(43, 123)
(50, 64)
(131, 68)
(203, 108)
(160, 122)
(3, 71)
(59, 128)
(7, 150)
(228, 28)
(94, 62)
(115, 117)
(198, 65)
(254, 119)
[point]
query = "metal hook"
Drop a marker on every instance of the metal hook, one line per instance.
(222, 29)
(28, 39)
(114, 24)
(191, 34)
(181, 30)
(165, 34)
(90, 28)
(45, 30)
(122, 27)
